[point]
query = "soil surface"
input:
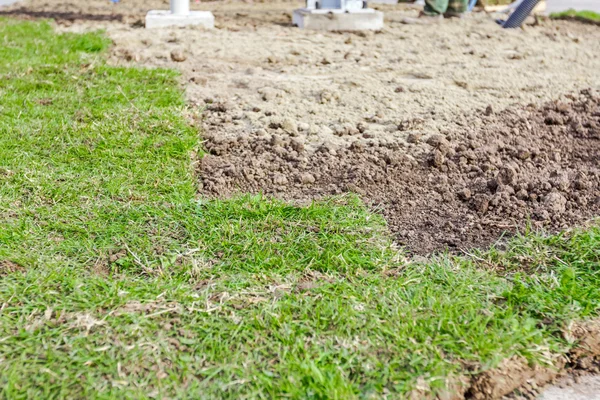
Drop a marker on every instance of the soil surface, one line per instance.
(459, 132)
(573, 376)
(585, 388)
(535, 165)
(449, 128)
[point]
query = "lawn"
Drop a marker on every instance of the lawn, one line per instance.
(118, 281)
(583, 16)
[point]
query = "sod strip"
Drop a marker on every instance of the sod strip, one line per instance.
(117, 282)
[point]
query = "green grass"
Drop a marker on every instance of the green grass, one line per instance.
(497, 2)
(128, 286)
(585, 16)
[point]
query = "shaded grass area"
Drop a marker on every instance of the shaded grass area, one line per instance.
(116, 282)
(583, 16)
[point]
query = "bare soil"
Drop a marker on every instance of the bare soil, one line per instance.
(535, 166)
(515, 379)
(577, 372)
(459, 132)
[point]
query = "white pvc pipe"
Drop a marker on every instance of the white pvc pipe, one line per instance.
(180, 7)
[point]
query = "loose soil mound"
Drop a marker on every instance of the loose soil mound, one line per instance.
(534, 166)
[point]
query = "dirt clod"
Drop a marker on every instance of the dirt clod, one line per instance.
(464, 194)
(555, 202)
(307, 178)
(178, 55)
(473, 185)
(506, 177)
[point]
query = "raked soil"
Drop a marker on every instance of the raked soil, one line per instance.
(459, 132)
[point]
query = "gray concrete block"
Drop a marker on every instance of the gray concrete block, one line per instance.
(338, 20)
(163, 19)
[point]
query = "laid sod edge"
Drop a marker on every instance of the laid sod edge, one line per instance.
(583, 16)
(116, 283)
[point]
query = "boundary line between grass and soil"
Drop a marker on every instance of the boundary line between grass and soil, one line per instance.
(117, 283)
(586, 17)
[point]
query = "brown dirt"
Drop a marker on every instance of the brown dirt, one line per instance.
(586, 355)
(453, 130)
(9, 267)
(426, 123)
(533, 165)
(410, 118)
(516, 379)
(511, 375)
